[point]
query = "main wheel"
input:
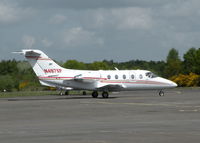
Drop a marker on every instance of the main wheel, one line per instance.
(84, 93)
(66, 92)
(161, 93)
(61, 93)
(105, 94)
(94, 94)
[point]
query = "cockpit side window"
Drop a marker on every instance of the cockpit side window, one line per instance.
(151, 75)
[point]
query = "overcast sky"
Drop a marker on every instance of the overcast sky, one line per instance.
(92, 30)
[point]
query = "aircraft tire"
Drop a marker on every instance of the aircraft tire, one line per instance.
(66, 92)
(105, 94)
(84, 93)
(94, 94)
(161, 93)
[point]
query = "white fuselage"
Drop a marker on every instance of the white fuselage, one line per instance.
(119, 80)
(51, 74)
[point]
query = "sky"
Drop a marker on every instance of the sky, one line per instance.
(94, 30)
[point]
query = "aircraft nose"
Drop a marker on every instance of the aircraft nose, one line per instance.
(173, 84)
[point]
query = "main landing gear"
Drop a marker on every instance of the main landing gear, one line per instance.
(65, 93)
(61, 92)
(95, 94)
(105, 94)
(84, 93)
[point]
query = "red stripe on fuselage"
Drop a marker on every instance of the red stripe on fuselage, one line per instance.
(136, 82)
(46, 77)
(104, 80)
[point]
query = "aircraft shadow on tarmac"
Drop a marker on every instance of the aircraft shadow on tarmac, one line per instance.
(58, 98)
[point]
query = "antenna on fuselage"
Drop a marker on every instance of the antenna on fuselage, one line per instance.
(116, 69)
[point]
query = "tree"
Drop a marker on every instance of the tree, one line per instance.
(173, 66)
(7, 67)
(73, 64)
(98, 66)
(189, 62)
(7, 83)
(192, 61)
(197, 65)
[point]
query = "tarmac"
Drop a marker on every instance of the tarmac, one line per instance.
(125, 117)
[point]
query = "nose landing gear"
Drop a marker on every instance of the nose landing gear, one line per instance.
(161, 93)
(94, 94)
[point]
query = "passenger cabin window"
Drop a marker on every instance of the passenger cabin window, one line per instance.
(124, 76)
(140, 76)
(109, 77)
(116, 76)
(132, 76)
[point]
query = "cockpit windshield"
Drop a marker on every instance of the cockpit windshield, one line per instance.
(151, 75)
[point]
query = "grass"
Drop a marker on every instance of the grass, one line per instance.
(35, 93)
(27, 93)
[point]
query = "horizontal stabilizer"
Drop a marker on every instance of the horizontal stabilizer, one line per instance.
(18, 52)
(28, 52)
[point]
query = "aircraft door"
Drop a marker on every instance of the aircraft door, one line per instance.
(100, 74)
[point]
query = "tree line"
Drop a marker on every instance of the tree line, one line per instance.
(18, 75)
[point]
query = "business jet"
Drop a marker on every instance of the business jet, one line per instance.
(51, 74)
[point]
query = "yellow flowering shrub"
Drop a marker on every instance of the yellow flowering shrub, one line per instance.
(23, 85)
(186, 80)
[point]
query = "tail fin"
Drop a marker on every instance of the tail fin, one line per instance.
(41, 63)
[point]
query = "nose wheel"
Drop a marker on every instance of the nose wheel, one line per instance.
(161, 93)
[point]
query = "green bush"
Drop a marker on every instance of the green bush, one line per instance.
(6, 83)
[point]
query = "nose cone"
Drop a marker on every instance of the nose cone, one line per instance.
(168, 83)
(173, 84)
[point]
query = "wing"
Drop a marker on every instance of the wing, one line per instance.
(112, 87)
(81, 78)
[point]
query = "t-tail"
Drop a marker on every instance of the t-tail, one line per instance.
(41, 63)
